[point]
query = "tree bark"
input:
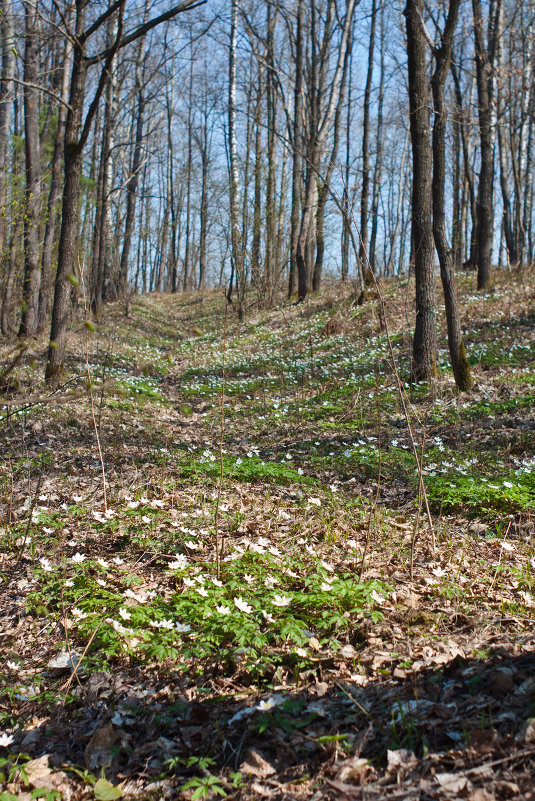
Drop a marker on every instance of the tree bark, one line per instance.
(365, 191)
(6, 100)
(461, 368)
(133, 179)
(234, 185)
(297, 146)
(424, 343)
(484, 59)
(32, 272)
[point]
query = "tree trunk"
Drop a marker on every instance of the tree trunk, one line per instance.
(378, 168)
(6, 99)
(424, 344)
(484, 72)
(32, 272)
(297, 145)
(461, 368)
(54, 193)
(320, 124)
(234, 183)
(365, 191)
(133, 178)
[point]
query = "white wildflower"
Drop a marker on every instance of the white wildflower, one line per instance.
(281, 600)
(78, 613)
(223, 610)
(78, 558)
(179, 563)
(242, 605)
(125, 614)
(6, 739)
(45, 564)
(379, 599)
(182, 628)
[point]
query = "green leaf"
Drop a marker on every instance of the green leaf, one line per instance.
(5, 796)
(105, 791)
(72, 279)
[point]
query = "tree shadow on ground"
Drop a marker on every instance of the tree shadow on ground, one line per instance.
(459, 729)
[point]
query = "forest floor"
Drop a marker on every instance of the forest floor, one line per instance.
(257, 606)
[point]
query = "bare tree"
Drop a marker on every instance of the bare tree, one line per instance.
(77, 131)
(32, 272)
(424, 343)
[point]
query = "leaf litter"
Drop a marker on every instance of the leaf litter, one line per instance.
(115, 683)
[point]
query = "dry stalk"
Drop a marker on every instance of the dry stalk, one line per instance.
(403, 397)
(89, 386)
(75, 667)
(375, 500)
(218, 550)
(30, 516)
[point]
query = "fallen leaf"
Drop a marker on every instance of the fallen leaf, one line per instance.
(401, 758)
(106, 791)
(255, 765)
(481, 795)
(356, 770)
(453, 784)
(98, 752)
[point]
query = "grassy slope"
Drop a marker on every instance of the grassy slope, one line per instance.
(315, 607)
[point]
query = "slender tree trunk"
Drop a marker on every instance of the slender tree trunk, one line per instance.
(424, 344)
(297, 146)
(378, 168)
(461, 368)
(365, 191)
(32, 272)
(11, 269)
(320, 125)
(510, 240)
(6, 100)
(468, 171)
(271, 211)
(346, 205)
(484, 72)
(236, 240)
(324, 184)
(457, 229)
(204, 209)
(257, 176)
(54, 193)
(133, 179)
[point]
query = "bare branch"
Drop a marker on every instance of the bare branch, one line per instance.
(42, 89)
(187, 5)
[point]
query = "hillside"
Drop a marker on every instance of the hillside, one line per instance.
(241, 565)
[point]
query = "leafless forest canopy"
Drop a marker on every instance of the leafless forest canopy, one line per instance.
(259, 146)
